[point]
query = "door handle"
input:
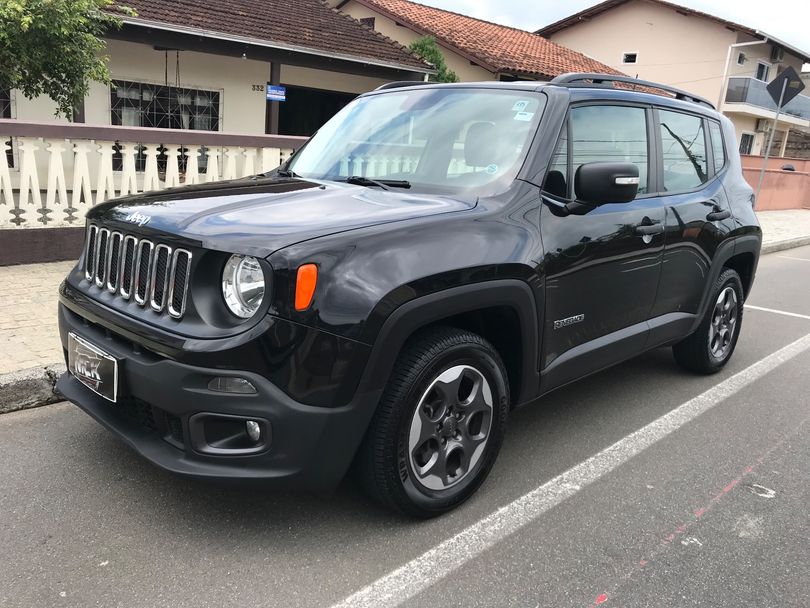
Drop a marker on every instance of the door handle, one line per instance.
(720, 214)
(649, 230)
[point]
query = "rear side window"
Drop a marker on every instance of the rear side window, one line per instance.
(718, 150)
(610, 133)
(684, 151)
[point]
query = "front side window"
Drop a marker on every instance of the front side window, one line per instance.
(683, 146)
(440, 140)
(610, 133)
(718, 150)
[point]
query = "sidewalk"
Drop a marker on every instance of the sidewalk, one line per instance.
(31, 355)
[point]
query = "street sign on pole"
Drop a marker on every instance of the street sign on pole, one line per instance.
(782, 89)
(792, 83)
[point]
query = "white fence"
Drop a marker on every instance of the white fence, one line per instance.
(51, 174)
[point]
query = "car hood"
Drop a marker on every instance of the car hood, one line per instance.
(257, 216)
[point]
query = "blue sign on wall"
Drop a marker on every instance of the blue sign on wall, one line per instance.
(276, 93)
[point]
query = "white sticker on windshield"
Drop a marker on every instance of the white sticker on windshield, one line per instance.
(520, 105)
(524, 116)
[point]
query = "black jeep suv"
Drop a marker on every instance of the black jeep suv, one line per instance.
(433, 257)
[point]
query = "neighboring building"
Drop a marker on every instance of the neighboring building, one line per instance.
(725, 62)
(205, 66)
(474, 49)
(188, 103)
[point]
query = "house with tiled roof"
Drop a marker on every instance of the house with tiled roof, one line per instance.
(474, 49)
(200, 91)
(223, 55)
(723, 61)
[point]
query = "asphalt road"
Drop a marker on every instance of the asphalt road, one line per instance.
(711, 511)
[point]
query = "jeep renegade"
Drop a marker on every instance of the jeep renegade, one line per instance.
(433, 257)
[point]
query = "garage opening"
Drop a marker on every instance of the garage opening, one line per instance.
(306, 109)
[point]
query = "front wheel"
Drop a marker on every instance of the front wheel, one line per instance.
(439, 425)
(710, 347)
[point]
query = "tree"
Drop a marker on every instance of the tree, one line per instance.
(54, 47)
(426, 48)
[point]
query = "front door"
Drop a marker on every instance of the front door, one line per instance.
(601, 268)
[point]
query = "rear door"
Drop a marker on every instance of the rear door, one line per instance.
(602, 268)
(691, 167)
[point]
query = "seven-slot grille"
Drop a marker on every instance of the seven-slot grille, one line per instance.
(151, 273)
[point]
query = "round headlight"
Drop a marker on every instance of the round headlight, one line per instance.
(243, 285)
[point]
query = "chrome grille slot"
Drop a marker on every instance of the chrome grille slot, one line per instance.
(160, 276)
(90, 253)
(130, 251)
(102, 240)
(154, 274)
(143, 268)
(114, 261)
(178, 282)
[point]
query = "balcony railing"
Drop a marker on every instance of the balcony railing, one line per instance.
(52, 173)
(753, 92)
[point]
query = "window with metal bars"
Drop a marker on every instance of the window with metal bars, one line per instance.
(5, 112)
(138, 104)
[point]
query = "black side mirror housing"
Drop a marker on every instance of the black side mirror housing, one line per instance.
(601, 183)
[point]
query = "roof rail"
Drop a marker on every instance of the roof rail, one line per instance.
(577, 79)
(399, 83)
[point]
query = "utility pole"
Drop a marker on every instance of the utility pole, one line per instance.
(770, 139)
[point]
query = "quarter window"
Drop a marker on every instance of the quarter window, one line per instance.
(718, 150)
(610, 133)
(683, 146)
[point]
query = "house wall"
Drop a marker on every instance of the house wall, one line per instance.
(242, 110)
(404, 35)
(685, 51)
(688, 52)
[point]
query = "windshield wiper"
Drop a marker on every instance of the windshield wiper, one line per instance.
(385, 184)
(284, 173)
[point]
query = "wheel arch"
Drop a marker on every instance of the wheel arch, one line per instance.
(502, 311)
(741, 253)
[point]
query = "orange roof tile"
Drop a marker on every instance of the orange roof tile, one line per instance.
(498, 48)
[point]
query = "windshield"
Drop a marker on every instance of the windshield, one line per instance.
(440, 140)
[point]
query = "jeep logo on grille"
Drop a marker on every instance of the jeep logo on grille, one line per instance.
(138, 218)
(568, 321)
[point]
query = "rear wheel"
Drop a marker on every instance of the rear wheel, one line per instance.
(439, 425)
(710, 347)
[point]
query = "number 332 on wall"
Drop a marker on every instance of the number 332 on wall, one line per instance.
(257, 87)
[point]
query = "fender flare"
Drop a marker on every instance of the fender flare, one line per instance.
(424, 310)
(742, 244)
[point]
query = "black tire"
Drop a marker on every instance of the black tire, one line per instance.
(695, 353)
(386, 466)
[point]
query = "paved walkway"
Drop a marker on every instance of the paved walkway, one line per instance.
(28, 332)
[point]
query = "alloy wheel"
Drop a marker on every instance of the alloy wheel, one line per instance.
(450, 427)
(723, 323)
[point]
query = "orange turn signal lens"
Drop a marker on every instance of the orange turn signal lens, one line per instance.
(305, 284)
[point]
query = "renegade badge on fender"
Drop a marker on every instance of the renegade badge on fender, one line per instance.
(433, 257)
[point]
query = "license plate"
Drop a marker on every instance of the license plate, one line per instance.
(94, 368)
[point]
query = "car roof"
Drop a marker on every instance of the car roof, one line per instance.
(578, 92)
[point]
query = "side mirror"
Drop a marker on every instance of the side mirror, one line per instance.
(606, 182)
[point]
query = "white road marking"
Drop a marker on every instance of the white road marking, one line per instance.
(415, 576)
(790, 257)
(778, 312)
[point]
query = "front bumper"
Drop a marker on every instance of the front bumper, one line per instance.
(311, 446)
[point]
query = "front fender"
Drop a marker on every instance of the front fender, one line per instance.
(424, 310)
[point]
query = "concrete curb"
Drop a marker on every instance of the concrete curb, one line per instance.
(775, 246)
(30, 387)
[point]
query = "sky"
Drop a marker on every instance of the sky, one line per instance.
(788, 20)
